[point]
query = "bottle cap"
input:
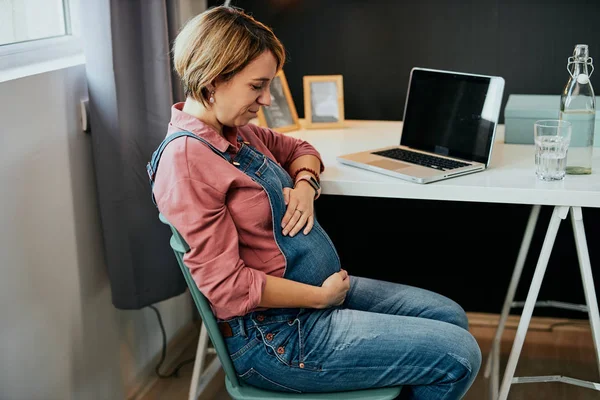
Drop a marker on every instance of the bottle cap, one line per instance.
(583, 79)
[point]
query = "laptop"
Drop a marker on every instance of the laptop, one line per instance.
(448, 128)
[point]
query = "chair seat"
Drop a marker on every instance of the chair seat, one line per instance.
(245, 392)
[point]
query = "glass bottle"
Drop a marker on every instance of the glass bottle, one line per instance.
(578, 106)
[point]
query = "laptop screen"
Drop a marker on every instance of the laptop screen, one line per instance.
(452, 114)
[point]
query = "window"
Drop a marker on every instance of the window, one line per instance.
(37, 36)
(27, 20)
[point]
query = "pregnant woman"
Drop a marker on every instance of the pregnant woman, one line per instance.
(242, 197)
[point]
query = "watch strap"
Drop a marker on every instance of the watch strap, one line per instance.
(312, 182)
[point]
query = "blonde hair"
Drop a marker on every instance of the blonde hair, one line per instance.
(219, 43)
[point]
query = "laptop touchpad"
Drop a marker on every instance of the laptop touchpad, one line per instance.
(391, 165)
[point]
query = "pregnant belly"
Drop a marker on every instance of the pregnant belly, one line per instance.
(311, 258)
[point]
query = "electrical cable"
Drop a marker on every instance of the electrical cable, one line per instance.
(175, 372)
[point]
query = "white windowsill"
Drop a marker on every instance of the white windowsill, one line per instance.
(41, 67)
(39, 56)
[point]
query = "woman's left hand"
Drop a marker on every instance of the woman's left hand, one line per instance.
(300, 209)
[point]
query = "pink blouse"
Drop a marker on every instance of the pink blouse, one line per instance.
(223, 215)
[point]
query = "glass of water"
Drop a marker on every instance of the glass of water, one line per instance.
(552, 139)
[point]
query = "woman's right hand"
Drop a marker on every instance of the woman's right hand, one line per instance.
(335, 289)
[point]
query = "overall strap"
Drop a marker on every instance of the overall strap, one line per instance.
(152, 166)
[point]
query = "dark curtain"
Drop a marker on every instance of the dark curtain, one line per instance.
(131, 90)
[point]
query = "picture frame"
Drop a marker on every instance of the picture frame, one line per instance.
(281, 115)
(323, 101)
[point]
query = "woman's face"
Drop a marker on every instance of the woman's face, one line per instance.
(238, 100)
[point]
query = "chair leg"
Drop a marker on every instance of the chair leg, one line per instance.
(199, 363)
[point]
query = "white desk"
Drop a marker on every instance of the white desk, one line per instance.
(510, 179)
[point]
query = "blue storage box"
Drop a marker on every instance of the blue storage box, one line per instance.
(522, 110)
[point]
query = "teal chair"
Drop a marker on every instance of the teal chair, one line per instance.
(235, 388)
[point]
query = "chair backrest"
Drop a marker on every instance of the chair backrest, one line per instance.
(180, 247)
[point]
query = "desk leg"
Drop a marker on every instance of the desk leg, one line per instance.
(494, 355)
(586, 276)
(558, 214)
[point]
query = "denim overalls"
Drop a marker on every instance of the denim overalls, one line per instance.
(310, 258)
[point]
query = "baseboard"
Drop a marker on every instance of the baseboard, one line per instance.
(536, 324)
(175, 348)
(547, 339)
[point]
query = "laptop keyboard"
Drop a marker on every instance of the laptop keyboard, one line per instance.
(421, 159)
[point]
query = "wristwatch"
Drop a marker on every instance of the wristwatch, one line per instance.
(312, 181)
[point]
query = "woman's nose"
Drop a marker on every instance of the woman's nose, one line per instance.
(265, 98)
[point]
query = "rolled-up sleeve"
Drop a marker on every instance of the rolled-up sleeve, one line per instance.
(199, 213)
(286, 148)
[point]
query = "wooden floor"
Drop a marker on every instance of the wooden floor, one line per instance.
(552, 347)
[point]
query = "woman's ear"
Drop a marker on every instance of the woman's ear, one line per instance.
(218, 81)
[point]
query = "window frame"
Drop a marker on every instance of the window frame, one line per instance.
(30, 57)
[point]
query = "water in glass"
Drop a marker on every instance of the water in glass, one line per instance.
(551, 157)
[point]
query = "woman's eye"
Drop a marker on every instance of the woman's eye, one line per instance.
(257, 87)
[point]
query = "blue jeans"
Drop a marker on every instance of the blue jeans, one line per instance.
(385, 334)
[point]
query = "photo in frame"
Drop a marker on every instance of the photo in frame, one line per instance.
(281, 115)
(323, 101)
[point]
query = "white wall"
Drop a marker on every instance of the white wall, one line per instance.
(60, 336)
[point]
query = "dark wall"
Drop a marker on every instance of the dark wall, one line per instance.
(466, 251)
(375, 43)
